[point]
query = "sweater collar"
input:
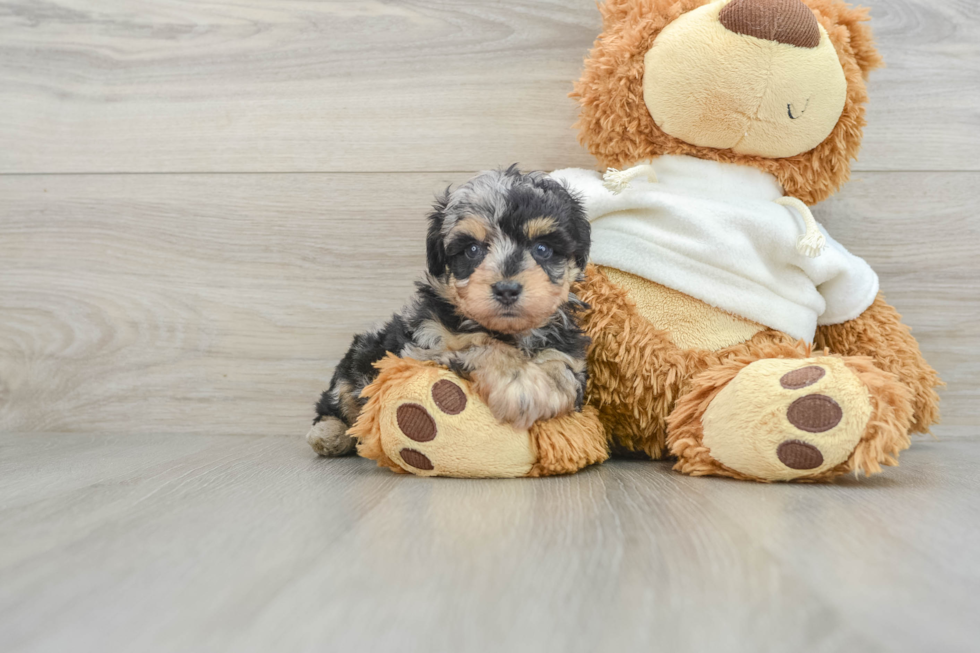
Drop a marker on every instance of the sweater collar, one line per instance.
(687, 174)
(684, 175)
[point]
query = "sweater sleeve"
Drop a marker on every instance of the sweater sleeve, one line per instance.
(845, 281)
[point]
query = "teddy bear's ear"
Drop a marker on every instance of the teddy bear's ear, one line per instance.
(615, 12)
(860, 38)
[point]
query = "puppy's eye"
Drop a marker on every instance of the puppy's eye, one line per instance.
(474, 251)
(542, 252)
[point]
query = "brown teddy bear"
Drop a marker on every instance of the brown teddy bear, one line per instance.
(729, 330)
(711, 276)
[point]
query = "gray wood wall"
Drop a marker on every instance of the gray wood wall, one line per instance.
(201, 201)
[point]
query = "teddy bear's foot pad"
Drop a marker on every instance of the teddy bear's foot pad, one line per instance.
(436, 427)
(782, 419)
(416, 460)
(417, 425)
(796, 454)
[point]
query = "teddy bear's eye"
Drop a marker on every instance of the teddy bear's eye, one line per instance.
(542, 252)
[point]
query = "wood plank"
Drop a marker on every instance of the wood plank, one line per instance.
(365, 85)
(220, 303)
(254, 544)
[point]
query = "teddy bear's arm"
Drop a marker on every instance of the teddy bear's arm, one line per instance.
(880, 334)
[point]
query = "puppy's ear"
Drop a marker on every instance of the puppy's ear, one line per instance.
(583, 230)
(579, 227)
(435, 249)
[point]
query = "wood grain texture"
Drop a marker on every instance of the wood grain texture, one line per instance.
(366, 85)
(179, 543)
(220, 303)
(360, 85)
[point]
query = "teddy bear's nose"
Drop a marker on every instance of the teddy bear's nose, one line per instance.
(783, 21)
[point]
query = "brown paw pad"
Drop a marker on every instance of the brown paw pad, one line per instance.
(814, 413)
(449, 397)
(803, 377)
(416, 423)
(799, 455)
(416, 459)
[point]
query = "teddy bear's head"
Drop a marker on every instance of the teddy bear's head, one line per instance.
(775, 84)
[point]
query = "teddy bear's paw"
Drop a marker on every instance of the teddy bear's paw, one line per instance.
(780, 420)
(437, 426)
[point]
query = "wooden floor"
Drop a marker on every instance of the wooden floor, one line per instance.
(200, 203)
(251, 543)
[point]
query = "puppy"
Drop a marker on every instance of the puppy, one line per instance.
(495, 307)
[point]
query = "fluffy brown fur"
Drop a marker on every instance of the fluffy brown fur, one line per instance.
(617, 127)
(880, 334)
(637, 374)
(645, 387)
(569, 443)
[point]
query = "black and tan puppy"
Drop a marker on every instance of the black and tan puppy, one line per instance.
(503, 251)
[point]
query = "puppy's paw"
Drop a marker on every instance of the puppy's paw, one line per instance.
(515, 406)
(329, 438)
(529, 394)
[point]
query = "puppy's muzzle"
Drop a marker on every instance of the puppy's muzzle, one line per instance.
(507, 292)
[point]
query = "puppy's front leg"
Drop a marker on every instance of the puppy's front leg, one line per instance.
(521, 392)
(336, 411)
(340, 406)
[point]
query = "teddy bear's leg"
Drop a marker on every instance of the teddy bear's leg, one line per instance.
(425, 420)
(566, 444)
(635, 370)
(880, 334)
(782, 419)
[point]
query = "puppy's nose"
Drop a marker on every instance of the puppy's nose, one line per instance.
(507, 292)
(783, 21)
